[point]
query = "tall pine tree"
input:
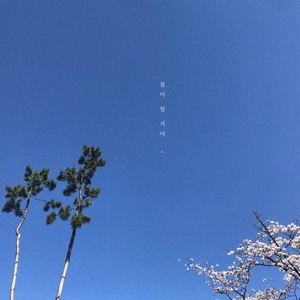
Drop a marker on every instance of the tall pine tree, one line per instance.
(78, 182)
(35, 183)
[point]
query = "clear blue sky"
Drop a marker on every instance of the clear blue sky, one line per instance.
(89, 72)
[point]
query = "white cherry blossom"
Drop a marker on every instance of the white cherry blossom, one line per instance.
(276, 246)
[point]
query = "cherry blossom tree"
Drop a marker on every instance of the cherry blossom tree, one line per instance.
(276, 247)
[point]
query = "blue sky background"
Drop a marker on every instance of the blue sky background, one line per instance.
(89, 72)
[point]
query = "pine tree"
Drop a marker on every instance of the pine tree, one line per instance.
(78, 182)
(35, 183)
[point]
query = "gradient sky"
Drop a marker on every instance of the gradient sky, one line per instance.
(89, 72)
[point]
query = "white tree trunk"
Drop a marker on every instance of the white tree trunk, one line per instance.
(66, 265)
(16, 263)
(68, 257)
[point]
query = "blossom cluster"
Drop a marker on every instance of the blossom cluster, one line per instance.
(276, 246)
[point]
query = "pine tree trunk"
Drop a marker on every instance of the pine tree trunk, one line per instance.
(65, 269)
(70, 248)
(18, 234)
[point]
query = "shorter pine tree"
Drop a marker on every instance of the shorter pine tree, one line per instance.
(35, 183)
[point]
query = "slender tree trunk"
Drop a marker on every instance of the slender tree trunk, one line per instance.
(65, 269)
(70, 248)
(18, 234)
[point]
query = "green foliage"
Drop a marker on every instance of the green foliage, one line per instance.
(78, 220)
(79, 181)
(51, 218)
(52, 204)
(35, 183)
(65, 212)
(91, 192)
